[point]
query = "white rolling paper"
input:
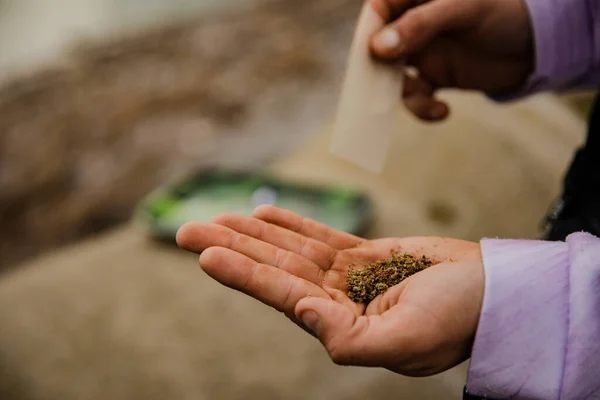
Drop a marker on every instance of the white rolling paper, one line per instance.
(368, 110)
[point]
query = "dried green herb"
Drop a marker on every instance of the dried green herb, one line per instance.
(366, 284)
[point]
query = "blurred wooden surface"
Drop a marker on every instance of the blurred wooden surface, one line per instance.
(82, 143)
(119, 317)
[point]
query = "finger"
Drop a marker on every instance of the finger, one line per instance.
(348, 338)
(269, 285)
(318, 253)
(388, 9)
(198, 237)
(419, 25)
(413, 85)
(427, 108)
(418, 98)
(307, 227)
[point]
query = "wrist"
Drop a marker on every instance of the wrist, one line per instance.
(526, 80)
(505, 350)
(561, 47)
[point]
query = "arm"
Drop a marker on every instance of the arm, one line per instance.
(540, 322)
(567, 45)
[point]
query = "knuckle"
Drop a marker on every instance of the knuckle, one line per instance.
(251, 276)
(239, 241)
(263, 230)
(288, 301)
(413, 26)
(281, 258)
(277, 259)
(304, 246)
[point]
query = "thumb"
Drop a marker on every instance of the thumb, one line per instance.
(417, 27)
(341, 331)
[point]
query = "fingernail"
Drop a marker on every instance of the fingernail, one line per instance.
(388, 39)
(312, 321)
(437, 112)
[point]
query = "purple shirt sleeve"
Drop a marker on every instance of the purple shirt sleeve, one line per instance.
(539, 331)
(567, 45)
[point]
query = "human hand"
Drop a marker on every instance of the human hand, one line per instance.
(421, 327)
(485, 45)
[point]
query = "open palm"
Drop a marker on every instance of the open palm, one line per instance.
(299, 267)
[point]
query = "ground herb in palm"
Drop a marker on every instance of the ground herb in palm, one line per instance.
(366, 284)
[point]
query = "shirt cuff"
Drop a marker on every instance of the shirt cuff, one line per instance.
(563, 46)
(518, 348)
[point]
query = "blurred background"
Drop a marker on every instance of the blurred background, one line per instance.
(103, 101)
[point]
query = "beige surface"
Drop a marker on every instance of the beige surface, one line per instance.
(119, 317)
